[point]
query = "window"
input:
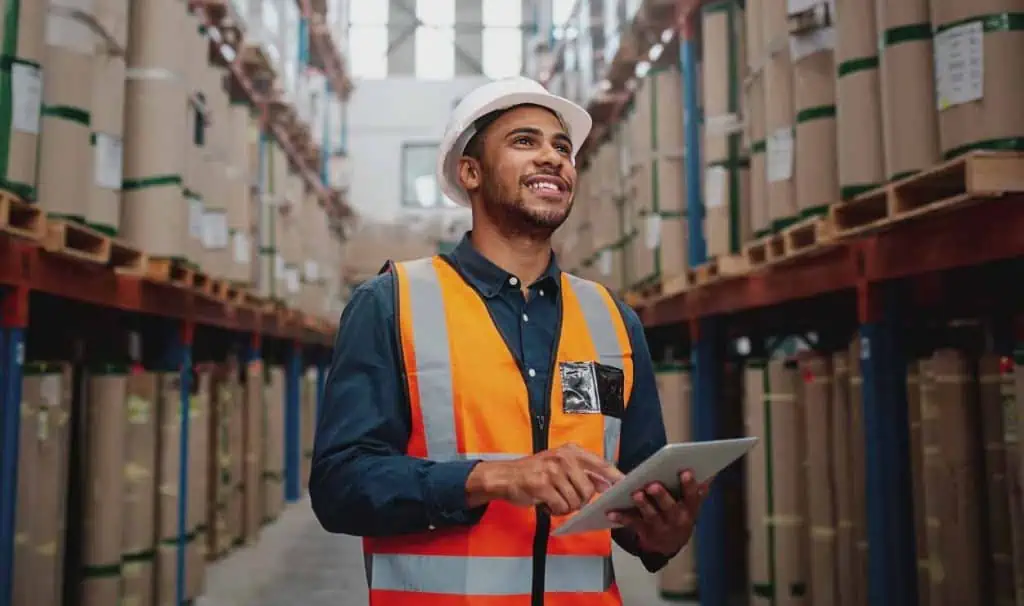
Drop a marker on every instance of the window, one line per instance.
(503, 52)
(502, 38)
(368, 12)
(435, 38)
(419, 187)
(502, 13)
(370, 56)
(435, 53)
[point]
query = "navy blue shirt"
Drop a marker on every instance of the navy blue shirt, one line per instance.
(361, 481)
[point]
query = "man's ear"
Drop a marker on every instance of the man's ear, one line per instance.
(470, 174)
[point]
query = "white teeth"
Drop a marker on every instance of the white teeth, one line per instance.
(544, 185)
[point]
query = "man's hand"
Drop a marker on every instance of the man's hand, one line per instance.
(562, 479)
(662, 523)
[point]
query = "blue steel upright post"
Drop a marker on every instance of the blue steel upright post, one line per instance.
(180, 352)
(892, 547)
(710, 533)
(293, 425)
(14, 319)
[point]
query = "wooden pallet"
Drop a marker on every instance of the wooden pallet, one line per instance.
(657, 289)
(127, 260)
(967, 179)
(203, 283)
(807, 236)
(720, 267)
(174, 271)
(76, 241)
(20, 218)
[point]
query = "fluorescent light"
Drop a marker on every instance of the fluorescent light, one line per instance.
(667, 35)
(655, 52)
(642, 68)
(604, 85)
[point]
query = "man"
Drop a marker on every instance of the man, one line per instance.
(476, 400)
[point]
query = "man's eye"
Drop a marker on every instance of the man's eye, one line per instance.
(563, 149)
(523, 141)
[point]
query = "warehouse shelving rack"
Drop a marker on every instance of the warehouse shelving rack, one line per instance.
(93, 312)
(97, 311)
(890, 287)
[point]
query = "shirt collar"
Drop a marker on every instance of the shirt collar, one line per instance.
(487, 277)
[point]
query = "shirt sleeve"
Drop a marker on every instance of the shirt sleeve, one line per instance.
(362, 482)
(643, 429)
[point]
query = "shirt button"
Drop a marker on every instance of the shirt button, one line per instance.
(431, 527)
(526, 318)
(514, 281)
(532, 372)
(541, 292)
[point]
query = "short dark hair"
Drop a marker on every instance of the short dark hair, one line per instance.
(475, 145)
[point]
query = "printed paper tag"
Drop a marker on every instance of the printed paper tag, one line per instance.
(714, 186)
(604, 262)
(109, 160)
(312, 271)
(215, 230)
(279, 267)
(196, 210)
(49, 391)
(780, 155)
(27, 98)
(652, 231)
(241, 248)
(960, 65)
(292, 279)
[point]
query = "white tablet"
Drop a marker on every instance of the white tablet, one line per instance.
(706, 459)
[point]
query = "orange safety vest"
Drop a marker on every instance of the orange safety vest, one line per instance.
(469, 400)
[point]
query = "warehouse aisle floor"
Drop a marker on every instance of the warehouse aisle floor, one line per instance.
(296, 563)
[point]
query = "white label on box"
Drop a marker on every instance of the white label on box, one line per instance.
(279, 266)
(652, 231)
(312, 271)
(960, 65)
(215, 230)
(196, 210)
(714, 186)
(49, 390)
(27, 98)
(814, 41)
(108, 160)
(604, 262)
(241, 248)
(292, 279)
(780, 155)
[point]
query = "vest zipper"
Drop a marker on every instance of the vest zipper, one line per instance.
(540, 537)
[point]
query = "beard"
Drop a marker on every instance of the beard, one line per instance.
(509, 211)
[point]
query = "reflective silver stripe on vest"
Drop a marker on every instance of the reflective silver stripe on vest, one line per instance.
(601, 325)
(433, 359)
(488, 576)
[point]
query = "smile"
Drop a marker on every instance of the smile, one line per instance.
(546, 184)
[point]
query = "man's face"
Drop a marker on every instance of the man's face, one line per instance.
(527, 177)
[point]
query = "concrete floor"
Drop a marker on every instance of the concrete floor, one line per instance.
(296, 563)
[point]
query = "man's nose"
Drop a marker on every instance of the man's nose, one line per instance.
(549, 156)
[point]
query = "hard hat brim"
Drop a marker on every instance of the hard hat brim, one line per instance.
(575, 119)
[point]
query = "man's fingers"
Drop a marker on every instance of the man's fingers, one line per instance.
(595, 464)
(690, 487)
(645, 506)
(663, 499)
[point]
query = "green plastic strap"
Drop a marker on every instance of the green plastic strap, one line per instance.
(847, 192)
(769, 474)
(136, 557)
(1007, 144)
(998, 22)
(759, 147)
(859, 64)
(914, 32)
(12, 17)
(80, 219)
(735, 241)
(106, 571)
(103, 228)
(69, 113)
(733, 161)
(721, 6)
(680, 596)
(820, 112)
(267, 250)
(108, 369)
(148, 182)
(764, 590)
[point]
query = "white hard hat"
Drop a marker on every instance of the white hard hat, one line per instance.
(497, 95)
